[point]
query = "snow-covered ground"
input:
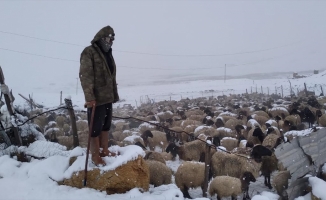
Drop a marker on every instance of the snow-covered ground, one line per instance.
(35, 180)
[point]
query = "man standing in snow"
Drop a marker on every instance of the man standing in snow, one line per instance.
(97, 75)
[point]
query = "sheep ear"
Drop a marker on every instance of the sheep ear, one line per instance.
(261, 150)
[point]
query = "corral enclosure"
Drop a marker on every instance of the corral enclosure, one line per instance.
(208, 96)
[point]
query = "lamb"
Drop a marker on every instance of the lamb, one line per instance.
(159, 173)
(225, 186)
(190, 175)
(280, 183)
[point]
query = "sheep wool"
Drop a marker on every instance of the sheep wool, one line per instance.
(280, 182)
(159, 173)
(229, 143)
(207, 130)
(270, 140)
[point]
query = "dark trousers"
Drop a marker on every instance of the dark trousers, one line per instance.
(102, 118)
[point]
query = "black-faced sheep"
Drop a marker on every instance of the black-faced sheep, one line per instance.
(308, 116)
(224, 164)
(159, 173)
(190, 151)
(159, 140)
(225, 186)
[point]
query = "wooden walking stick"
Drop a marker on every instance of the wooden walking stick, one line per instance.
(89, 141)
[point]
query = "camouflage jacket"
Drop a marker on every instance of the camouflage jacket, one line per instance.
(96, 79)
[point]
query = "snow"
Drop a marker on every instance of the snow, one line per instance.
(318, 187)
(37, 179)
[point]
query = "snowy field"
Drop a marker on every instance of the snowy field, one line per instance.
(37, 179)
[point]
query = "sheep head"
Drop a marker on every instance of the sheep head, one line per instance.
(219, 123)
(216, 141)
(248, 177)
(173, 149)
(258, 151)
(238, 128)
(259, 133)
(147, 134)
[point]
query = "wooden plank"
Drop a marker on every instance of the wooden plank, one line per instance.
(71, 112)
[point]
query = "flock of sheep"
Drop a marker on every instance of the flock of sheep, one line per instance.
(245, 130)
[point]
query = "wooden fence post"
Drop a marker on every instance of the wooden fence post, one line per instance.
(322, 91)
(60, 97)
(207, 166)
(305, 89)
(291, 92)
(268, 91)
(275, 90)
(11, 110)
(73, 121)
(282, 90)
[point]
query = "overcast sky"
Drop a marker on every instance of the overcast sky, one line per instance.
(160, 38)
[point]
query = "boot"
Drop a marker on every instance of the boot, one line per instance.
(104, 143)
(95, 150)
